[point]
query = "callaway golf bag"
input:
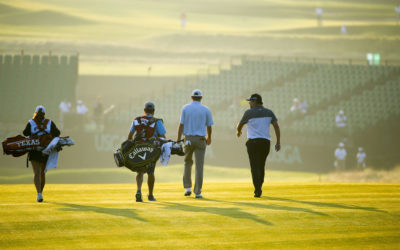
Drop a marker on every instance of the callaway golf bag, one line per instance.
(137, 155)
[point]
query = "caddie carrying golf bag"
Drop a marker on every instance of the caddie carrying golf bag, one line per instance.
(144, 149)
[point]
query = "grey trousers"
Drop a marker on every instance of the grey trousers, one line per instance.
(198, 147)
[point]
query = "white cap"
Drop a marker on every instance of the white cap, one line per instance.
(41, 108)
(341, 112)
(341, 144)
(80, 101)
(360, 149)
(196, 93)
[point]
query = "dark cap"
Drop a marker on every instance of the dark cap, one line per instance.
(255, 97)
(149, 106)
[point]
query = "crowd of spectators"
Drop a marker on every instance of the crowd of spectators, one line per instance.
(77, 115)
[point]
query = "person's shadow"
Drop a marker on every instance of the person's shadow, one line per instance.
(122, 212)
(327, 204)
(272, 207)
(299, 209)
(232, 212)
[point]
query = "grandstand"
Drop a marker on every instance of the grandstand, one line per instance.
(29, 80)
(367, 93)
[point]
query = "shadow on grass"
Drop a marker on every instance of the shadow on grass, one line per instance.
(273, 207)
(326, 204)
(280, 207)
(122, 212)
(232, 212)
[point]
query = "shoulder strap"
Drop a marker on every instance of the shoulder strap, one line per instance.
(46, 121)
(40, 127)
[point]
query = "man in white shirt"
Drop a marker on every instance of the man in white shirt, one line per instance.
(195, 124)
(361, 155)
(340, 157)
(81, 108)
(341, 124)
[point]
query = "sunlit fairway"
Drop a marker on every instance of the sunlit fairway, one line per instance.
(290, 215)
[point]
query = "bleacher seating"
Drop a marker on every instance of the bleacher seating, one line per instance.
(229, 85)
(358, 89)
(323, 84)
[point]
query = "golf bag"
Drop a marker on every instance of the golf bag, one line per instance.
(138, 156)
(19, 145)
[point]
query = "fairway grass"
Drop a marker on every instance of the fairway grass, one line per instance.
(288, 216)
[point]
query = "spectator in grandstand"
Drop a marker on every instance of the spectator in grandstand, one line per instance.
(183, 19)
(340, 157)
(343, 29)
(258, 120)
(195, 124)
(319, 11)
(295, 106)
(298, 107)
(145, 128)
(361, 155)
(65, 109)
(303, 107)
(341, 124)
(98, 112)
(39, 126)
(81, 108)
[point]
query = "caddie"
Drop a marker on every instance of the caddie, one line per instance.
(144, 128)
(39, 126)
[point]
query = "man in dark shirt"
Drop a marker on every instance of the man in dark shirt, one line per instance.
(258, 120)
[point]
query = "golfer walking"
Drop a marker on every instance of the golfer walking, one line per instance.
(195, 124)
(258, 121)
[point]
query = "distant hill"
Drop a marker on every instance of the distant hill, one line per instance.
(42, 18)
(372, 30)
(6, 9)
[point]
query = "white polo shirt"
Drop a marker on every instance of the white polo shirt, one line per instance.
(195, 117)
